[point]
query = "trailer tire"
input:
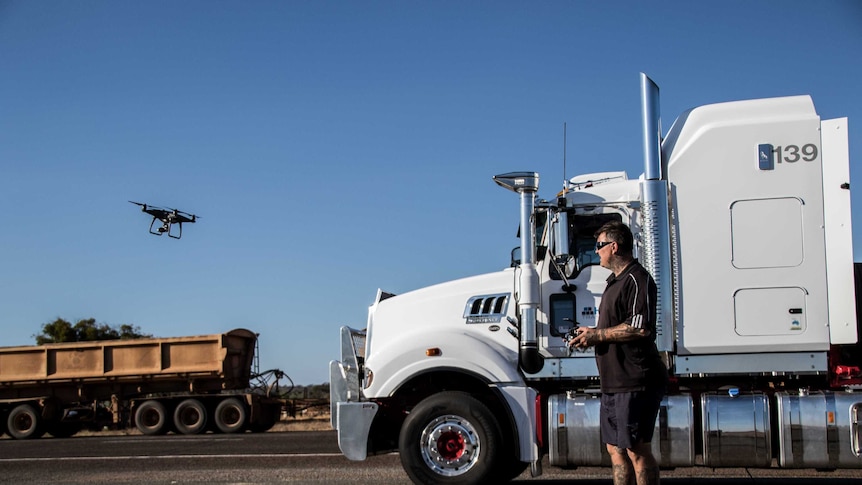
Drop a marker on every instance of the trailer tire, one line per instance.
(151, 418)
(452, 438)
(190, 417)
(24, 422)
(230, 415)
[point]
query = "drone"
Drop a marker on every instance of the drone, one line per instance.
(168, 217)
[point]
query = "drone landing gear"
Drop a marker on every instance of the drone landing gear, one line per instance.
(166, 229)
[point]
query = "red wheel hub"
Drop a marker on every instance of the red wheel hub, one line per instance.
(451, 445)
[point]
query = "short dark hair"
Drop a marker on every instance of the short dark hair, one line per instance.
(619, 233)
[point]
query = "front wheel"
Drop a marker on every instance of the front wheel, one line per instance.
(452, 438)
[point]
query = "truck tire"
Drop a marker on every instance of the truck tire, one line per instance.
(24, 422)
(452, 438)
(190, 417)
(230, 415)
(151, 418)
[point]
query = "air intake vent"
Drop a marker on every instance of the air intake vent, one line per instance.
(486, 308)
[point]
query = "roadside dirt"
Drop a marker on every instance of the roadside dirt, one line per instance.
(303, 424)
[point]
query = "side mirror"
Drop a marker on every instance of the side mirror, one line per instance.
(561, 234)
(515, 259)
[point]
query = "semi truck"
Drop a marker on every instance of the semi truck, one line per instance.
(187, 385)
(742, 216)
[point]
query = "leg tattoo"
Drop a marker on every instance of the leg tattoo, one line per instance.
(621, 475)
(648, 476)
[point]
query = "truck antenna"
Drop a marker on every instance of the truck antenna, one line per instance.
(565, 181)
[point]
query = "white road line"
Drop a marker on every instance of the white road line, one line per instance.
(171, 457)
(167, 440)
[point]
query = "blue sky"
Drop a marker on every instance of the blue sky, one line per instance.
(332, 148)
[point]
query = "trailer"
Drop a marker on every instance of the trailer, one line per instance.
(742, 216)
(183, 384)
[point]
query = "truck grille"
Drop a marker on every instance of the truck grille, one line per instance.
(359, 344)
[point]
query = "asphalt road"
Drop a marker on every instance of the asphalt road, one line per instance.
(296, 457)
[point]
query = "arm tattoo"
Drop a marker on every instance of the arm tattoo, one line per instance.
(620, 333)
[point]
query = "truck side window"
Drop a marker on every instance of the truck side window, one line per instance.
(582, 241)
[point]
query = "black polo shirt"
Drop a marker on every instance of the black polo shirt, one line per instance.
(635, 365)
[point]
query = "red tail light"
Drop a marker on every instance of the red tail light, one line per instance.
(540, 424)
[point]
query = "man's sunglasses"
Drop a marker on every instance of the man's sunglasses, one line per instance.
(600, 245)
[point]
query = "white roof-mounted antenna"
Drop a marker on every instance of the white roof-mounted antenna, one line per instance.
(565, 180)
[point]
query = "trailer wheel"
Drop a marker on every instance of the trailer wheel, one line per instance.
(451, 438)
(24, 422)
(230, 415)
(151, 418)
(190, 417)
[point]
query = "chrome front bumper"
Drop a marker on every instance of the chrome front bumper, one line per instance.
(351, 416)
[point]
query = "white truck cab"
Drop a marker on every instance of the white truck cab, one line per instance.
(742, 216)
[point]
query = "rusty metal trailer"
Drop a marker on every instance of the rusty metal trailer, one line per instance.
(183, 384)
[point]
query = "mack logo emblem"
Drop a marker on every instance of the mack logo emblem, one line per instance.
(487, 319)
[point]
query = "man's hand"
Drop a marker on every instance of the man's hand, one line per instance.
(590, 336)
(586, 337)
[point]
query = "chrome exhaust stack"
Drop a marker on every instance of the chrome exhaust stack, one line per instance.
(527, 295)
(656, 215)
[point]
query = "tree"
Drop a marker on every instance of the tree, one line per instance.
(86, 330)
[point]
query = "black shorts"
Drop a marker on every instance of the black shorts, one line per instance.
(628, 418)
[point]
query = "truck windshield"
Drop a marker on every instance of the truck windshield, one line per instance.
(541, 219)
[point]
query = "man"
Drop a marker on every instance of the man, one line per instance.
(633, 376)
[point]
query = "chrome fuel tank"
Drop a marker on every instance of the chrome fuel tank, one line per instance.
(819, 429)
(575, 437)
(736, 430)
